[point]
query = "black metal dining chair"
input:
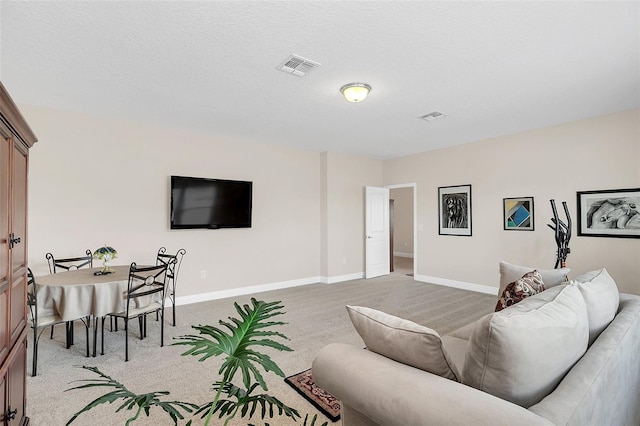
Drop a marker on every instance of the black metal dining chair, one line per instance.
(69, 264)
(38, 323)
(144, 282)
(173, 262)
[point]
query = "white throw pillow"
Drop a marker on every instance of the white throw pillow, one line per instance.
(520, 354)
(601, 295)
(510, 272)
(403, 341)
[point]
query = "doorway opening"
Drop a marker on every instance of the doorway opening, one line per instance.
(403, 228)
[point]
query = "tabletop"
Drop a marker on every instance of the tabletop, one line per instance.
(84, 276)
(80, 293)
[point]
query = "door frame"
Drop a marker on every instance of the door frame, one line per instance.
(415, 220)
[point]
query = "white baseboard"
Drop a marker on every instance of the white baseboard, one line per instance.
(242, 291)
(400, 254)
(341, 278)
(457, 284)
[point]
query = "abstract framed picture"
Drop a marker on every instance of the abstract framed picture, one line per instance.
(518, 214)
(609, 213)
(454, 210)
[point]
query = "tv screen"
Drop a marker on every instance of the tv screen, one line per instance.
(210, 203)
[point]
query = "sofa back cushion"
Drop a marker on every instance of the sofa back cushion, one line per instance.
(603, 388)
(403, 341)
(600, 293)
(521, 353)
(510, 272)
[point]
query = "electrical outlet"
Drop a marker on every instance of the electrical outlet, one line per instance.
(203, 274)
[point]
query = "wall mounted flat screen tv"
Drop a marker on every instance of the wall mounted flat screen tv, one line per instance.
(198, 203)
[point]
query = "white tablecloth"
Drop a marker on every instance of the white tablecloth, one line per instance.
(79, 293)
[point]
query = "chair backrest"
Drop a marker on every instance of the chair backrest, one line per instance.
(32, 301)
(173, 262)
(70, 263)
(146, 281)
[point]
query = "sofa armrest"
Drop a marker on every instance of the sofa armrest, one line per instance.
(391, 393)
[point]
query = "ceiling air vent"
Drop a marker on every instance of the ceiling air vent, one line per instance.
(297, 65)
(435, 115)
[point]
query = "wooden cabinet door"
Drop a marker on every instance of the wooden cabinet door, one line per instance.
(3, 402)
(5, 285)
(18, 249)
(16, 384)
(13, 386)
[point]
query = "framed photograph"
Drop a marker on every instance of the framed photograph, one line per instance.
(609, 213)
(454, 210)
(518, 214)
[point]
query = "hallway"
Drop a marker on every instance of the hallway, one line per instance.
(402, 265)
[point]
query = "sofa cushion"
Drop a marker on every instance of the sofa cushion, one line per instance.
(601, 296)
(510, 272)
(464, 332)
(456, 349)
(403, 341)
(531, 283)
(521, 353)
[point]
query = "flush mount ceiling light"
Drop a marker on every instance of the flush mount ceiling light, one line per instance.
(355, 92)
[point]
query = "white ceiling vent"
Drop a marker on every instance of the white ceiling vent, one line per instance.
(432, 116)
(297, 65)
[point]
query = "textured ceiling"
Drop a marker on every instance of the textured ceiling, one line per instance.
(494, 68)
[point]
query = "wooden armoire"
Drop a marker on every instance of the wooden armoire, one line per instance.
(16, 138)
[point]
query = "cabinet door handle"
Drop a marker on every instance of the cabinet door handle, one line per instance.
(13, 240)
(11, 414)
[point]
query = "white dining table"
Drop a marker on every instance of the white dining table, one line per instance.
(79, 294)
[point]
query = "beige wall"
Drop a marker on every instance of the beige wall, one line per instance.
(555, 162)
(346, 176)
(402, 221)
(96, 181)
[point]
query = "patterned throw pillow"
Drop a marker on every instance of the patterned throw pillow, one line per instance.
(530, 284)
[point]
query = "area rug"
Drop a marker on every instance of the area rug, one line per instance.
(320, 398)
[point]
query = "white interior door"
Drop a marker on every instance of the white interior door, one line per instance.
(376, 232)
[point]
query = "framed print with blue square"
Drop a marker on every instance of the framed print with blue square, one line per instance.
(518, 214)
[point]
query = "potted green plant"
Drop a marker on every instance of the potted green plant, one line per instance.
(239, 342)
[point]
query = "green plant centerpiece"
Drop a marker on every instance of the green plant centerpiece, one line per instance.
(239, 342)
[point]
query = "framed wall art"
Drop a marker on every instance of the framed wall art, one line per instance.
(454, 210)
(518, 214)
(609, 213)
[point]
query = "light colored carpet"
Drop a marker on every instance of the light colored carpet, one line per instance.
(402, 265)
(316, 316)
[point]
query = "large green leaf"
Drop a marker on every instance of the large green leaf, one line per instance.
(247, 403)
(306, 422)
(131, 401)
(240, 342)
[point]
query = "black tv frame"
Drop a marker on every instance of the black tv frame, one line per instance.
(174, 225)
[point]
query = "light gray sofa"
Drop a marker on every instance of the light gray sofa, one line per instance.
(601, 388)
